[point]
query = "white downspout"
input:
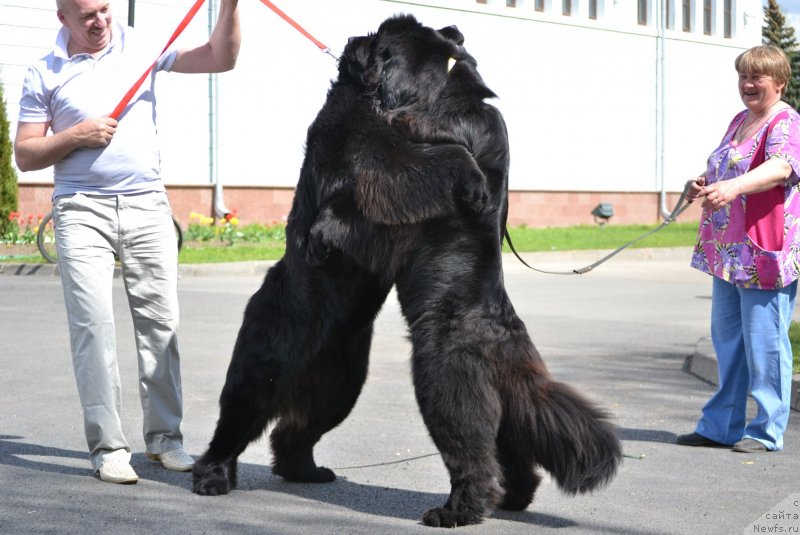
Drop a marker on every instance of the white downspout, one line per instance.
(218, 209)
(660, 107)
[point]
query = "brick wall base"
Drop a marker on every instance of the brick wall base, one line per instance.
(531, 208)
(569, 208)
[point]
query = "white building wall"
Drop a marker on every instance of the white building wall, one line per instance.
(579, 95)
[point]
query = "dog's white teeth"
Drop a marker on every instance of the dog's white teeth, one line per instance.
(450, 63)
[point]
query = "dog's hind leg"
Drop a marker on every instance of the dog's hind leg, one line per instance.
(462, 412)
(520, 479)
(322, 399)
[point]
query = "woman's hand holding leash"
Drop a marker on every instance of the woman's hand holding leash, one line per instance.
(694, 188)
(715, 196)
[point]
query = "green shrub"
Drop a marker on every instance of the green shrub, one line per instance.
(8, 175)
(227, 230)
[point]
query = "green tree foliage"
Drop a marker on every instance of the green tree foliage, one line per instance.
(776, 32)
(8, 176)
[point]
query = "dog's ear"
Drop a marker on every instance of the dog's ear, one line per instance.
(452, 33)
(355, 57)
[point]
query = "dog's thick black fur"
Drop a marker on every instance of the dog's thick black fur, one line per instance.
(485, 394)
(301, 355)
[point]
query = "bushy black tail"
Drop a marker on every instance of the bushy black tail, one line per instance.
(571, 438)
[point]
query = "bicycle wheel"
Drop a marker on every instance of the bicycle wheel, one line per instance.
(46, 239)
(178, 233)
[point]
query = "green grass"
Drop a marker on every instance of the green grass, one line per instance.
(525, 240)
(794, 338)
(201, 253)
(257, 242)
(22, 259)
(596, 237)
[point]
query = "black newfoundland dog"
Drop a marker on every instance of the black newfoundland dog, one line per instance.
(486, 397)
(301, 355)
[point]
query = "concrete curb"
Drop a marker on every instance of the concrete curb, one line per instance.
(703, 364)
(256, 267)
(7, 268)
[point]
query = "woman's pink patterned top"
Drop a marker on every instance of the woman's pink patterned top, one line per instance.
(724, 247)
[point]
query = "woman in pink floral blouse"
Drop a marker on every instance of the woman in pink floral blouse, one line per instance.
(749, 241)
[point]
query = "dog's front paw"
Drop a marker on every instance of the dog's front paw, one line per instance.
(441, 517)
(316, 250)
(472, 193)
(304, 474)
(213, 479)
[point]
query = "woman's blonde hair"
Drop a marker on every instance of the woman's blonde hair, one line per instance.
(766, 60)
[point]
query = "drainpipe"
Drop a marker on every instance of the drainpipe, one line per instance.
(218, 208)
(131, 12)
(660, 114)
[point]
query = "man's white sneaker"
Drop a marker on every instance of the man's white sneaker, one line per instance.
(117, 471)
(177, 460)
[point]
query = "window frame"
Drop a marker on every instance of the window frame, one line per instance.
(708, 11)
(727, 19)
(686, 11)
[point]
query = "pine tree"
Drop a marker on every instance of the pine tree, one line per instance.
(776, 32)
(8, 176)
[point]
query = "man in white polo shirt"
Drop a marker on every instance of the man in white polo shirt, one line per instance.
(109, 200)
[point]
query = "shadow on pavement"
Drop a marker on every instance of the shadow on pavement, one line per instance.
(13, 453)
(646, 435)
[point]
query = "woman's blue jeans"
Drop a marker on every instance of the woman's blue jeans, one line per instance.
(749, 330)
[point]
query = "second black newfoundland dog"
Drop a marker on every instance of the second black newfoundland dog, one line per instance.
(486, 397)
(301, 355)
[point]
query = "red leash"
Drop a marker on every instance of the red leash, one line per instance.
(182, 26)
(132, 91)
(297, 27)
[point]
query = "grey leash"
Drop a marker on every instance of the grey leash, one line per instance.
(680, 207)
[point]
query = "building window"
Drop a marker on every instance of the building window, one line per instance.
(642, 18)
(728, 18)
(566, 7)
(668, 14)
(593, 9)
(539, 5)
(707, 17)
(686, 11)
(511, 3)
(687, 15)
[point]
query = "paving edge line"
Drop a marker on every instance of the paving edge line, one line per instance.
(7, 268)
(255, 267)
(258, 267)
(703, 364)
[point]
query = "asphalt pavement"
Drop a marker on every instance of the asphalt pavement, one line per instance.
(624, 334)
